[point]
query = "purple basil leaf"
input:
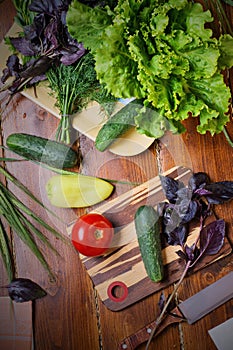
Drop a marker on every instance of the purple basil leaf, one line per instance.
(13, 68)
(34, 31)
(162, 301)
(212, 237)
(184, 193)
(170, 187)
(36, 67)
(161, 207)
(203, 210)
(191, 212)
(201, 192)
(51, 33)
(171, 218)
(36, 79)
(15, 86)
(177, 236)
(71, 54)
(181, 254)
(187, 210)
(198, 180)
(219, 192)
(22, 289)
(49, 7)
(191, 252)
(23, 46)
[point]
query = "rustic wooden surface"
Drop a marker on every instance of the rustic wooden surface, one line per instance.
(72, 316)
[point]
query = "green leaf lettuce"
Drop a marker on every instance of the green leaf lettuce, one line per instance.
(163, 52)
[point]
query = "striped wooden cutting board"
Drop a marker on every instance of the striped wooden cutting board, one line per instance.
(120, 277)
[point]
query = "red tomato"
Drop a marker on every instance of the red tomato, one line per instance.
(92, 234)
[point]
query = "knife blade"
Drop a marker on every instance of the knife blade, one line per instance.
(190, 310)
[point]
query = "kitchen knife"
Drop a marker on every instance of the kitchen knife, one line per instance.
(190, 310)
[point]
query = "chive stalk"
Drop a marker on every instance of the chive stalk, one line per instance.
(16, 215)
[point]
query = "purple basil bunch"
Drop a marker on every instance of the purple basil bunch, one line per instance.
(193, 202)
(44, 42)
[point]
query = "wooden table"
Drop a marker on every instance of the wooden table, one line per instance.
(72, 316)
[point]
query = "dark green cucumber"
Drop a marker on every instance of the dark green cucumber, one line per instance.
(40, 149)
(148, 234)
(117, 125)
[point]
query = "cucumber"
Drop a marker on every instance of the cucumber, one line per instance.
(148, 234)
(40, 149)
(117, 125)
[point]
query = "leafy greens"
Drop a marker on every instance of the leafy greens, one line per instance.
(163, 52)
(44, 41)
(183, 206)
(74, 86)
(46, 50)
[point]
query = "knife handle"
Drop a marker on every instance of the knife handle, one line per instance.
(143, 334)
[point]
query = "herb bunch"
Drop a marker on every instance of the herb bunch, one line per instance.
(164, 52)
(74, 86)
(16, 215)
(45, 41)
(184, 206)
(48, 51)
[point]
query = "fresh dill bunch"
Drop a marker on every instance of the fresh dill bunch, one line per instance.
(74, 86)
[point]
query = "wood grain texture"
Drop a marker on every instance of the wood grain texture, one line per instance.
(119, 276)
(61, 308)
(72, 317)
(5, 24)
(56, 317)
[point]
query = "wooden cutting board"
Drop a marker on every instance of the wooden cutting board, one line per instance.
(120, 277)
(90, 120)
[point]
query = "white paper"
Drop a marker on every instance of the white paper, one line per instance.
(222, 335)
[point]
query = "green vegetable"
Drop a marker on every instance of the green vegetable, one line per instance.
(117, 125)
(230, 2)
(16, 214)
(5, 251)
(148, 234)
(162, 52)
(74, 86)
(23, 16)
(77, 191)
(42, 150)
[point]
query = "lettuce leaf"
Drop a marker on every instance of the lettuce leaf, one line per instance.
(115, 67)
(226, 49)
(86, 24)
(163, 52)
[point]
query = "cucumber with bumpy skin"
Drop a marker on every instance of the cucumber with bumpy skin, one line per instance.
(43, 150)
(117, 125)
(148, 234)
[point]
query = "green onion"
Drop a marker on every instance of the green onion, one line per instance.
(25, 189)
(5, 250)
(14, 212)
(11, 214)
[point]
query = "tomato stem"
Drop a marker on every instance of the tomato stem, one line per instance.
(98, 234)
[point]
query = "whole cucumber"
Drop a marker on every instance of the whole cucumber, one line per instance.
(148, 234)
(43, 150)
(117, 125)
